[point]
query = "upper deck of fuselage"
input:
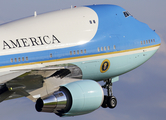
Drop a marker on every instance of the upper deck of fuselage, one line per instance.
(119, 27)
(113, 25)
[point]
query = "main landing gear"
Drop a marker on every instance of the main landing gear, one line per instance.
(109, 101)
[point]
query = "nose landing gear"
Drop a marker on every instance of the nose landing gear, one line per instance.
(109, 101)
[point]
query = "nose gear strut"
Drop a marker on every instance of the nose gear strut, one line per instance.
(109, 101)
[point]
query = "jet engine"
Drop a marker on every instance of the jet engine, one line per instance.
(76, 98)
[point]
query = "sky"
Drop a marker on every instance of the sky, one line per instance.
(141, 93)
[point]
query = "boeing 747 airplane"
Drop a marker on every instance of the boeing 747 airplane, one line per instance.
(56, 59)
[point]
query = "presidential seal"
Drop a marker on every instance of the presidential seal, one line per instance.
(104, 66)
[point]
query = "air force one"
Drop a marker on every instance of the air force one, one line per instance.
(56, 59)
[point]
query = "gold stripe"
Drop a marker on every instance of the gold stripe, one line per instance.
(63, 59)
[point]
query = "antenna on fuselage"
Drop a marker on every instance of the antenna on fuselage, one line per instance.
(73, 7)
(35, 14)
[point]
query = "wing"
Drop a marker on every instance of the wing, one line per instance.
(35, 83)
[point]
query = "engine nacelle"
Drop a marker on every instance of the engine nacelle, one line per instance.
(76, 98)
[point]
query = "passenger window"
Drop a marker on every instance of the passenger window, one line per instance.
(11, 60)
(70, 52)
(90, 21)
(114, 47)
(108, 47)
(101, 48)
(105, 48)
(19, 59)
(141, 42)
(98, 49)
(22, 58)
(50, 55)
(26, 58)
(94, 21)
(85, 51)
(15, 59)
(74, 52)
(81, 51)
(77, 51)
(153, 40)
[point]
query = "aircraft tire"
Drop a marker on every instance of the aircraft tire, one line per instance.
(111, 102)
(104, 105)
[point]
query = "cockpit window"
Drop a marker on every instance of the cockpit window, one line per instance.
(126, 14)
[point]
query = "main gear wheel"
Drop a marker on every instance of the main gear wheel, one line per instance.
(110, 100)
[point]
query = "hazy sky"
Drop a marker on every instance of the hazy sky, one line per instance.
(141, 93)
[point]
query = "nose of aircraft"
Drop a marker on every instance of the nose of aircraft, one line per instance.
(158, 39)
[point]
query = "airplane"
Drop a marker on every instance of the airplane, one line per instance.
(56, 59)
